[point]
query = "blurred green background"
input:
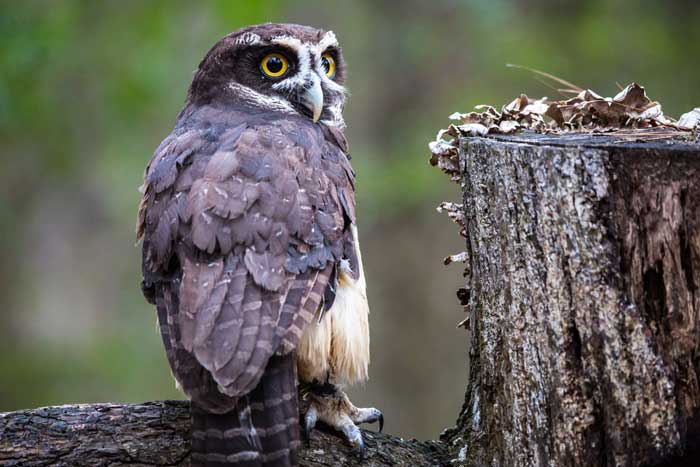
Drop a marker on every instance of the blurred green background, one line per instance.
(89, 89)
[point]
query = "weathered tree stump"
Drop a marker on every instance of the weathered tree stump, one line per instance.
(158, 434)
(584, 254)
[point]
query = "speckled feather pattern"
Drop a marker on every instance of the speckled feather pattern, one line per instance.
(236, 211)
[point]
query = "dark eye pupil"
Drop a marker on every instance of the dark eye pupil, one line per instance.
(274, 64)
(325, 64)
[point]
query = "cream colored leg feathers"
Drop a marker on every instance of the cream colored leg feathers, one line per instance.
(339, 344)
(336, 350)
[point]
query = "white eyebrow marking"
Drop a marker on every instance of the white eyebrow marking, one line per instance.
(249, 38)
(288, 41)
(329, 40)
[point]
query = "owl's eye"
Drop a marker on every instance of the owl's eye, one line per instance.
(328, 65)
(274, 65)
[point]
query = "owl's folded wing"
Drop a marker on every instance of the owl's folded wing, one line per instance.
(246, 224)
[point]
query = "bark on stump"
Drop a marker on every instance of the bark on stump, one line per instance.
(584, 254)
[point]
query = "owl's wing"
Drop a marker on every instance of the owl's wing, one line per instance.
(246, 225)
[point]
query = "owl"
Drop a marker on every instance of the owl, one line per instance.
(250, 248)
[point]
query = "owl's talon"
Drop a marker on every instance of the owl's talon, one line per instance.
(331, 406)
(310, 420)
(360, 450)
(369, 415)
(354, 436)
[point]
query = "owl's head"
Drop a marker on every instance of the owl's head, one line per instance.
(279, 67)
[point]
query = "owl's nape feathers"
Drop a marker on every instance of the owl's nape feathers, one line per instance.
(248, 222)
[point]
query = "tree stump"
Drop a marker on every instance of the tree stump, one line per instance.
(584, 254)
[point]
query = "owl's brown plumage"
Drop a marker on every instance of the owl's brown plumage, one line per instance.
(237, 211)
(247, 213)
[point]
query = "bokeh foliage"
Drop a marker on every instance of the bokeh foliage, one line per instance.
(88, 90)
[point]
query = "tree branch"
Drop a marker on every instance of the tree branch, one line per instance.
(156, 434)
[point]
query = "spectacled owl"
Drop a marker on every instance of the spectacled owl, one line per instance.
(250, 247)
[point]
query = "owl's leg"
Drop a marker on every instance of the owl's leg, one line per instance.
(330, 405)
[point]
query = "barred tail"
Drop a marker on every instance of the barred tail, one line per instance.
(275, 407)
(225, 440)
(263, 429)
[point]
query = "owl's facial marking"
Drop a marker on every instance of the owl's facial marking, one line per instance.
(304, 87)
(248, 38)
(279, 67)
(256, 99)
(313, 84)
(328, 40)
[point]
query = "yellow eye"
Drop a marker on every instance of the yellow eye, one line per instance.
(274, 65)
(328, 65)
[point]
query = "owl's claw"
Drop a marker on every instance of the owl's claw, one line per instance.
(331, 406)
(310, 420)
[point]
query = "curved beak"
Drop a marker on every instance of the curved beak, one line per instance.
(313, 99)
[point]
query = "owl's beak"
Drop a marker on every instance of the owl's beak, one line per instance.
(313, 99)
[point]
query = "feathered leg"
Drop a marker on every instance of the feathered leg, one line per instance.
(335, 347)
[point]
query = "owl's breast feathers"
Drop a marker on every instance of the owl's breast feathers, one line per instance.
(244, 220)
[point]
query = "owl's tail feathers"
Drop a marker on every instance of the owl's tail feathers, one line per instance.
(275, 407)
(263, 429)
(225, 440)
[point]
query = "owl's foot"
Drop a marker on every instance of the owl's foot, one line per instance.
(331, 406)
